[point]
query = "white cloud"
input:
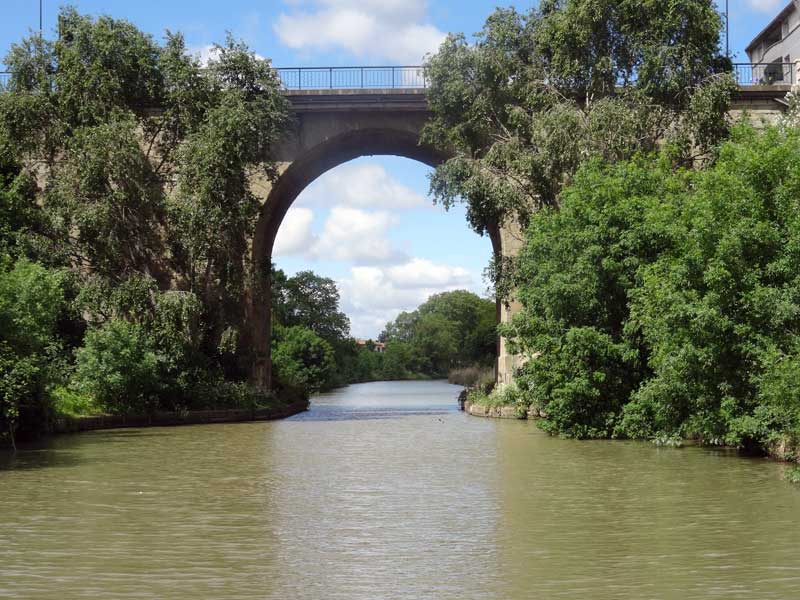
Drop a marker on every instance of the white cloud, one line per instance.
(766, 5)
(372, 29)
(372, 296)
(295, 235)
(360, 185)
(208, 53)
(205, 53)
(351, 234)
(422, 273)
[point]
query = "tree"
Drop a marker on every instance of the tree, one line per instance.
(140, 202)
(302, 359)
(537, 95)
(573, 277)
(661, 303)
(450, 329)
(721, 313)
(120, 368)
(309, 300)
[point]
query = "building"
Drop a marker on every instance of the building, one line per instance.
(376, 346)
(773, 51)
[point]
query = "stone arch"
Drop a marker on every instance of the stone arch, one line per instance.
(295, 176)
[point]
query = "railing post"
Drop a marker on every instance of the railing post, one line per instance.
(299, 79)
(362, 77)
(330, 76)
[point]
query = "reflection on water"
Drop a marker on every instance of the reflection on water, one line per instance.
(384, 490)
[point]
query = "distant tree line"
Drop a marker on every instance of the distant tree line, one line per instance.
(312, 347)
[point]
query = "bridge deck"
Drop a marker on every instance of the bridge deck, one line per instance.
(415, 99)
(389, 99)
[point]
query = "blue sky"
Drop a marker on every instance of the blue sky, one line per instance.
(367, 224)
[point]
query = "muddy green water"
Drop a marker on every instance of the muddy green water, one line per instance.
(385, 491)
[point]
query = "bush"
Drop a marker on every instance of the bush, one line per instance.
(573, 277)
(69, 402)
(119, 368)
(720, 312)
(302, 360)
(665, 304)
(31, 304)
(792, 475)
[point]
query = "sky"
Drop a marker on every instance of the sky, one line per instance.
(368, 224)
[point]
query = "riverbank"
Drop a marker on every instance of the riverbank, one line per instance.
(784, 450)
(175, 419)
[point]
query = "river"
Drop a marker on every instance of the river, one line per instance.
(385, 490)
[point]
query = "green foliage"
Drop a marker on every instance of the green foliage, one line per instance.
(721, 313)
(508, 395)
(69, 402)
(150, 209)
(666, 304)
(449, 330)
(311, 301)
(792, 475)
(118, 366)
(573, 276)
(31, 304)
(302, 359)
(537, 95)
(19, 216)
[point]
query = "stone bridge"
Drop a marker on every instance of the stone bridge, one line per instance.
(334, 126)
(344, 113)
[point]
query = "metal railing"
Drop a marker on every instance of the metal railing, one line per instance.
(353, 78)
(774, 73)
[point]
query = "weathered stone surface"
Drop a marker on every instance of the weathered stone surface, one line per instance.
(495, 412)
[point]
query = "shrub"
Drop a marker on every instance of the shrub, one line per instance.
(665, 304)
(31, 303)
(792, 474)
(302, 360)
(69, 402)
(119, 368)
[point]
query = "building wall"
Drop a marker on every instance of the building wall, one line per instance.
(789, 45)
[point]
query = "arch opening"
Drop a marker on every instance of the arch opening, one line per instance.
(295, 176)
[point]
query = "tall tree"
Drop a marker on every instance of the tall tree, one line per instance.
(538, 94)
(145, 157)
(309, 300)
